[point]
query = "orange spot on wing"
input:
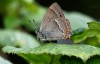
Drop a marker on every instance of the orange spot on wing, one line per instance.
(67, 31)
(66, 37)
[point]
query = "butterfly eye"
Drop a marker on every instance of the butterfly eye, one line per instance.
(67, 31)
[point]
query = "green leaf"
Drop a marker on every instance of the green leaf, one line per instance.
(94, 41)
(89, 36)
(51, 53)
(4, 61)
(94, 25)
(78, 31)
(87, 33)
(17, 38)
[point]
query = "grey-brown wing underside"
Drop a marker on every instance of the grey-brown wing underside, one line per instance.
(64, 24)
(58, 28)
(53, 12)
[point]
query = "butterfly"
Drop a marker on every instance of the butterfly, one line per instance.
(54, 25)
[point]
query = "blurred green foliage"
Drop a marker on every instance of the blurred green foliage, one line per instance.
(17, 13)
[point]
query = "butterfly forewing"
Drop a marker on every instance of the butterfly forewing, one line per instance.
(57, 9)
(53, 12)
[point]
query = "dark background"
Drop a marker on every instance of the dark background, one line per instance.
(89, 7)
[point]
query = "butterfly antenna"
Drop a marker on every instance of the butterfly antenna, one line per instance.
(33, 21)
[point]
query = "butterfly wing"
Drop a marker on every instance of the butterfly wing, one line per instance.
(53, 12)
(64, 25)
(54, 24)
(58, 31)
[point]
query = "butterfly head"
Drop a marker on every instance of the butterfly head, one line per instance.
(40, 35)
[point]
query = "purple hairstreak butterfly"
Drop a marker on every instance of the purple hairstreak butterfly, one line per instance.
(54, 25)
